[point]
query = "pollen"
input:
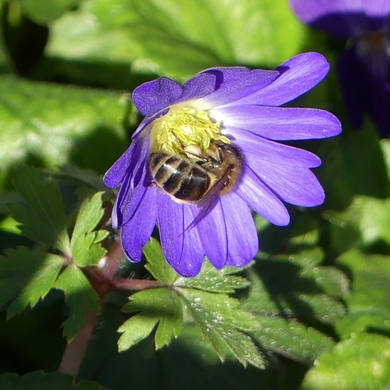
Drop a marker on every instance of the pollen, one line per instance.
(184, 126)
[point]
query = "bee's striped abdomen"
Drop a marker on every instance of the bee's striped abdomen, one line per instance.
(179, 177)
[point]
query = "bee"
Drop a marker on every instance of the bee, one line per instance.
(198, 176)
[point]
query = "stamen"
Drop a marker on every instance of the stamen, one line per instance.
(183, 126)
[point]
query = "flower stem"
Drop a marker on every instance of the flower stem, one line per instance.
(75, 350)
(103, 281)
(114, 257)
(135, 284)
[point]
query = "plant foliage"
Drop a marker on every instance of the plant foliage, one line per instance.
(311, 311)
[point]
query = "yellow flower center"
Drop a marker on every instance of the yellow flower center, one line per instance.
(183, 127)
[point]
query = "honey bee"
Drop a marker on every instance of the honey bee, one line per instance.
(196, 177)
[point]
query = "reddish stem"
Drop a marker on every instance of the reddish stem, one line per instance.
(135, 284)
(104, 282)
(113, 260)
(75, 350)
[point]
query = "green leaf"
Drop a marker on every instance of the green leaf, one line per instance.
(90, 214)
(209, 279)
(369, 273)
(385, 147)
(42, 215)
(178, 38)
(213, 280)
(358, 148)
(84, 176)
(291, 339)
(52, 125)
(5, 60)
(328, 279)
(157, 265)
(135, 330)
(375, 224)
(346, 174)
(223, 324)
(79, 295)
(211, 312)
(43, 381)
(363, 223)
(359, 363)
(87, 250)
(43, 13)
(289, 285)
(155, 306)
(301, 234)
(26, 276)
(370, 320)
(368, 303)
(189, 363)
(291, 294)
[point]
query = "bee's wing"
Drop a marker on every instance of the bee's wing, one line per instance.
(208, 202)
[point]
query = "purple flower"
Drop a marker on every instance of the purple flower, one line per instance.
(220, 115)
(364, 67)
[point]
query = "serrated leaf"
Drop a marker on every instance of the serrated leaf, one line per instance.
(157, 264)
(362, 362)
(213, 280)
(290, 284)
(26, 276)
(328, 279)
(44, 381)
(188, 363)
(87, 250)
(222, 323)
(292, 287)
(291, 339)
(90, 214)
(369, 273)
(100, 235)
(42, 215)
(325, 307)
(161, 307)
(135, 330)
(371, 320)
(79, 295)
